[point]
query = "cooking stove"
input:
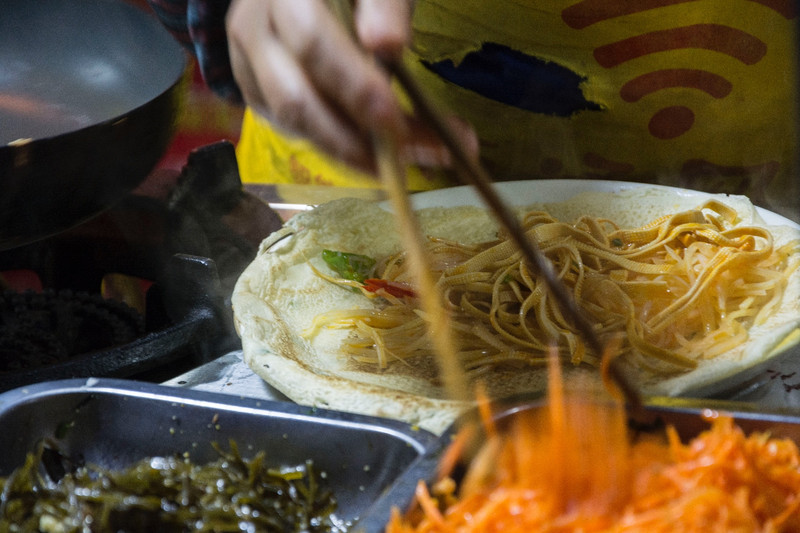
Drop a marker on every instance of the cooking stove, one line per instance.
(141, 290)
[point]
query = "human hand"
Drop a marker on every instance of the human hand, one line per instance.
(296, 64)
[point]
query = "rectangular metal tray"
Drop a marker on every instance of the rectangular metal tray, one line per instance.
(113, 423)
(685, 415)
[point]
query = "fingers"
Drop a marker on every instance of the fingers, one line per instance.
(338, 66)
(276, 83)
(425, 149)
(297, 65)
(384, 27)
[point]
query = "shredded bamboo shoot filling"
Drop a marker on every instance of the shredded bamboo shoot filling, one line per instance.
(683, 288)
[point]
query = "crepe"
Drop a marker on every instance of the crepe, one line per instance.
(279, 295)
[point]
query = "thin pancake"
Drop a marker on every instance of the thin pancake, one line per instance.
(278, 297)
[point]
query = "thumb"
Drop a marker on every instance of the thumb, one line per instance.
(383, 26)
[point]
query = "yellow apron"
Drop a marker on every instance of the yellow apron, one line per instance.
(268, 156)
(692, 93)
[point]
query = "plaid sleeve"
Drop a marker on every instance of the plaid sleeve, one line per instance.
(200, 26)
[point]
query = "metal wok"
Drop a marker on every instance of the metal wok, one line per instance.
(89, 94)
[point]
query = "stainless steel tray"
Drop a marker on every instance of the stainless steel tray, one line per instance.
(683, 414)
(113, 423)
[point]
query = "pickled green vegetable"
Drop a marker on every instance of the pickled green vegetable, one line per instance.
(167, 494)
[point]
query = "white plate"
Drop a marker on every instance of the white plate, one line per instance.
(533, 191)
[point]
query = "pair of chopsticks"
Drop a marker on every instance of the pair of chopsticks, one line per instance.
(471, 172)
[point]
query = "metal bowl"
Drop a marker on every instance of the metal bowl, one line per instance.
(114, 423)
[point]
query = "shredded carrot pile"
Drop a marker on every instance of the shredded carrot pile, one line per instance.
(574, 466)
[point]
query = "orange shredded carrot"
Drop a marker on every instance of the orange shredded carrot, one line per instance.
(485, 409)
(455, 451)
(585, 472)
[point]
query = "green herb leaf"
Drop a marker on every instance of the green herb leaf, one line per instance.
(356, 267)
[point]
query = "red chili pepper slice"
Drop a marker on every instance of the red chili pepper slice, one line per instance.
(395, 288)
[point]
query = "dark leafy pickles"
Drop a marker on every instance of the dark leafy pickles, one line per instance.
(167, 494)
